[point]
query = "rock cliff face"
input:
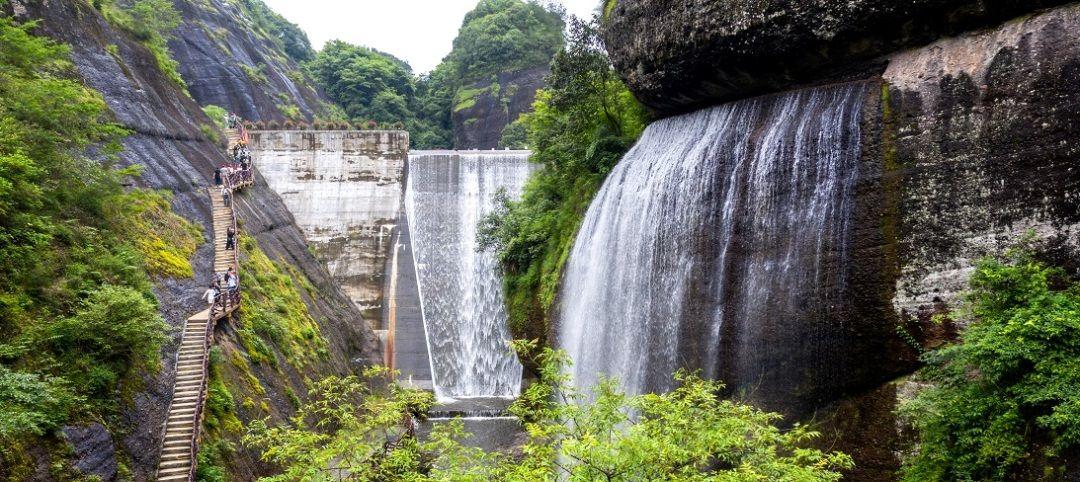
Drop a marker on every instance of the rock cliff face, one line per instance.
(978, 147)
(968, 143)
(229, 61)
(683, 54)
(344, 189)
(483, 109)
(166, 139)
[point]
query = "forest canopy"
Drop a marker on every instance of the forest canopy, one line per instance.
(497, 36)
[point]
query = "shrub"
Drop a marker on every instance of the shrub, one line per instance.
(217, 114)
(687, 434)
(318, 125)
(273, 125)
(32, 404)
(113, 324)
(288, 125)
(1005, 400)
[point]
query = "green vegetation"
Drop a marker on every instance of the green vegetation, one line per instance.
(1004, 402)
(217, 114)
(152, 22)
(274, 311)
(497, 36)
(367, 83)
(288, 36)
(503, 36)
(351, 431)
(78, 318)
(581, 125)
(167, 241)
(219, 421)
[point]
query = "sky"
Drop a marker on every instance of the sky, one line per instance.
(419, 31)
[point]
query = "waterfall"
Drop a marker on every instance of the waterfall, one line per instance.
(461, 293)
(719, 243)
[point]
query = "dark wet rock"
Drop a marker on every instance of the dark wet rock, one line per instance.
(977, 148)
(968, 146)
(479, 121)
(229, 63)
(678, 55)
(166, 138)
(95, 452)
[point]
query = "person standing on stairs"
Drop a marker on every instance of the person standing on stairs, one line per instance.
(232, 281)
(217, 176)
(230, 239)
(226, 196)
(211, 294)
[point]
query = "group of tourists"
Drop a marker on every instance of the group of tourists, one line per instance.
(241, 155)
(236, 172)
(228, 283)
(224, 284)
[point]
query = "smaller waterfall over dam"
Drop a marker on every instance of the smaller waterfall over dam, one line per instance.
(720, 243)
(461, 295)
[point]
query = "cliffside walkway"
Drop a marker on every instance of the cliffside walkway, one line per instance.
(180, 442)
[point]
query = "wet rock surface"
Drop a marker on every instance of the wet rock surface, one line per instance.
(228, 63)
(979, 142)
(95, 452)
(679, 55)
(496, 104)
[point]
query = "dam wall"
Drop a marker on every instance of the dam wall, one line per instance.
(345, 190)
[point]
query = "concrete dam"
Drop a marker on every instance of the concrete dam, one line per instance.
(397, 231)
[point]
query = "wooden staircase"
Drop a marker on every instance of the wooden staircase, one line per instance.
(180, 443)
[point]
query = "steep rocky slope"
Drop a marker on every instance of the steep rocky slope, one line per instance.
(483, 109)
(167, 139)
(230, 59)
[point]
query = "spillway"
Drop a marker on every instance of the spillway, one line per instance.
(447, 194)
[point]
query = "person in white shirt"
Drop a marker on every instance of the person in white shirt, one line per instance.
(211, 294)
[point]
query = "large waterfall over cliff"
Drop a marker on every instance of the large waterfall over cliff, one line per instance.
(460, 288)
(718, 243)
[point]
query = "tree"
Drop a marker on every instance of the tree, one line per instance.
(348, 431)
(1005, 400)
(367, 83)
(581, 125)
(505, 35)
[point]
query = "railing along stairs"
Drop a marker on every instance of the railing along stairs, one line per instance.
(181, 430)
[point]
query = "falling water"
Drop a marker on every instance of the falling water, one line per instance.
(461, 289)
(719, 243)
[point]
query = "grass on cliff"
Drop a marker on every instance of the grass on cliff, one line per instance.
(274, 311)
(580, 126)
(79, 322)
(1004, 402)
(152, 22)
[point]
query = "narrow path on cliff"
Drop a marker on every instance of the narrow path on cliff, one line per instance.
(180, 440)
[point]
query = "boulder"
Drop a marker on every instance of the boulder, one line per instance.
(679, 55)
